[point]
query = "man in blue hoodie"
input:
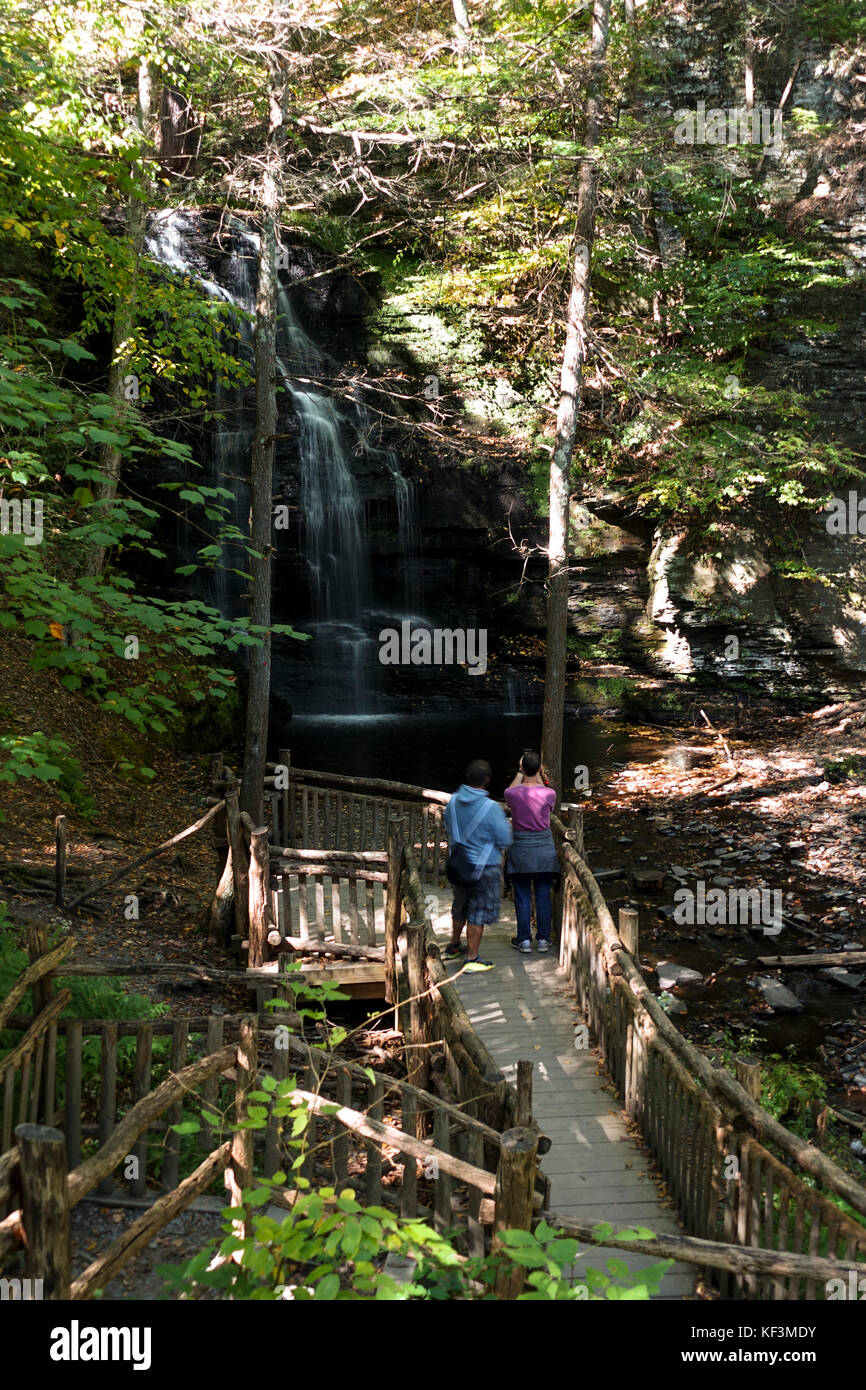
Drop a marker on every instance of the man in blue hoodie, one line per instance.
(477, 823)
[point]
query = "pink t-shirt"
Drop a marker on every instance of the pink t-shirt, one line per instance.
(530, 807)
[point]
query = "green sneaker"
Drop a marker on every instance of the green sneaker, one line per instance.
(476, 965)
(451, 952)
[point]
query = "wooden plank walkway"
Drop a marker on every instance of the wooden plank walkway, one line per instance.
(524, 1009)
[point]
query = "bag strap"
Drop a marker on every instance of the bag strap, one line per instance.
(473, 824)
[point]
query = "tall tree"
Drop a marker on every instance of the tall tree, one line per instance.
(262, 453)
(461, 19)
(571, 376)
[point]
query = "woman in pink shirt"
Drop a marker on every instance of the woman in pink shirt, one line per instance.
(531, 862)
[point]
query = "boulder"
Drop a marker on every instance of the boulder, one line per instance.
(778, 996)
(670, 975)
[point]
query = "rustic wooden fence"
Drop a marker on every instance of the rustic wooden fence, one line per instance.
(734, 1173)
(28, 1072)
(452, 1142)
(329, 895)
(35, 1174)
(458, 1161)
(477, 1179)
(324, 811)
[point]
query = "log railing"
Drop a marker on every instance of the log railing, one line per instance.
(735, 1174)
(454, 1166)
(36, 1173)
(326, 811)
(28, 1071)
(329, 895)
(97, 1071)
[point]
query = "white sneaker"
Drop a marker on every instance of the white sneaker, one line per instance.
(543, 946)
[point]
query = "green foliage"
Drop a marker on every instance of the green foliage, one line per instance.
(851, 768)
(91, 998)
(48, 760)
(836, 21)
(788, 1088)
(330, 1248)
(70, 159)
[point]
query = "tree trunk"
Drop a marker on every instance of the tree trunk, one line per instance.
(261, 472)
(126, 309)
(573, 358)
(461, 19)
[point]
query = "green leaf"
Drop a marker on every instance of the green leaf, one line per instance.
(76, 351)
(187, 1127)
(517, 1238)
(327, 1288)
(562, 1251)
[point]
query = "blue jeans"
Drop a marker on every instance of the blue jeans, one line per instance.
(523, 885)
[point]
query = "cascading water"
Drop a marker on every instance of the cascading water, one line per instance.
(318, 436)
(334, 545)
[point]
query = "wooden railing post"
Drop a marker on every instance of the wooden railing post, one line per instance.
(524, 1094)
(107, 1095)
(572, 819)
(393, 908)
(285, 757)
(59, 860)
(419, 1011)
(43, 989)
(239, 1174)
(43, 993)
(261, 917)
(749, 1076)
(515, 1183)
(628, 931)
(573, 816)
(45, 1208)
(240, 863)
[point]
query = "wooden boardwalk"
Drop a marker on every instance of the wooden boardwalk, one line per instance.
(524, 1009)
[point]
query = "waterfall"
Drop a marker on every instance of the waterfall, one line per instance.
(174, 241)
(518, 696)
(318, 434)
(334, 543)
(407, 531)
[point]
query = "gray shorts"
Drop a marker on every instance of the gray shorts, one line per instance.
(479, 903)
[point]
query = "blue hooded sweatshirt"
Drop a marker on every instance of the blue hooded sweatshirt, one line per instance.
(489, 837)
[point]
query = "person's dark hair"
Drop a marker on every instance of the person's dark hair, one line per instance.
(478, 773)
(531, 763)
